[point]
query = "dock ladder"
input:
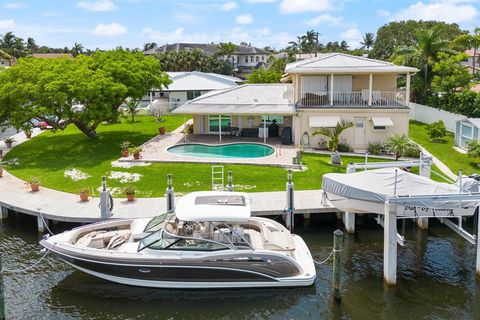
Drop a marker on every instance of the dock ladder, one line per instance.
(217, 178)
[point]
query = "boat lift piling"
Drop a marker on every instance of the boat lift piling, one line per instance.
(289, 219)
(349, 217)
(106, 201)
(425, 170)
(337, 247)
(170, 193)
(230, 180)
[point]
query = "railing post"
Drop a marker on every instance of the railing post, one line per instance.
(331, 89)
(370, 85)
(289, 221)
(230, 182)
(105, 209)
(170, 194)
(337, 247)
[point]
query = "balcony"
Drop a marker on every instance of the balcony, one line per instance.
(355, 99)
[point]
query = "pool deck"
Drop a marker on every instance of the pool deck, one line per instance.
(155, 151)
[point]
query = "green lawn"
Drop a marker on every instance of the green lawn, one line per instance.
(49, 155)
(443, 151)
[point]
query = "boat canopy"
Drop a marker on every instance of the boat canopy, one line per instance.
(378, 186)
(214, 206)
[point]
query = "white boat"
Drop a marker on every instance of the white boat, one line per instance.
(210, 241)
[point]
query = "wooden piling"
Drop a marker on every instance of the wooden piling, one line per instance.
(2, 300)
(337, 246)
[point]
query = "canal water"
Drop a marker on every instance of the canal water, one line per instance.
(436, 280)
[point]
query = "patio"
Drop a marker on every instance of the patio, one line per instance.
(155, 150)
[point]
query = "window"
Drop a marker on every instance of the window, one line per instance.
(270, 118)
(213, 123)
(246, 59)
(193, 94)
(257, 58)
(466, 134)
(197, 245)
(263, 58)
(251, 58)
(379, 128)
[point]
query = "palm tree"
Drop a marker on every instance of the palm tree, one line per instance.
(423, 55)
(400, 144)
(333, 136)
(227, 49)
(77, 49)
(149, 45)
(31, 45)
(368, 41)
(470, 41)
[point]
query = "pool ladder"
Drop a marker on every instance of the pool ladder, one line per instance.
(218, 178)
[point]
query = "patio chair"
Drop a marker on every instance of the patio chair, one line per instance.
(377, 97)
(365, 96)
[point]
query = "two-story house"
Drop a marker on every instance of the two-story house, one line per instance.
(324, 91)
(244, 59)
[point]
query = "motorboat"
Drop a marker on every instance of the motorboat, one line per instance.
(210, 240)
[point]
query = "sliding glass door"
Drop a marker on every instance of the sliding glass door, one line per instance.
(226, 122)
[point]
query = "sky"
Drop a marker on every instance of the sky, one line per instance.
(107, 24)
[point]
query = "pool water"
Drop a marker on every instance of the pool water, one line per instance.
(233, 150)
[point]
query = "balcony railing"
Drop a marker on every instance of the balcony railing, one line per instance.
(353, 99)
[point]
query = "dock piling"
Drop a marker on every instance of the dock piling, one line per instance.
(3, 214)
(41, 224)
(337, 247)
(105, 199)
(349, 217)
(2, 299)
(424, 171)
(390, 246)
(289, 221)
(230, 182)
(170, 194)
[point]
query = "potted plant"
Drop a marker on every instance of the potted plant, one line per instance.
(27, 129)
(161, 130)
(333, 136)
(1, 169)
(84, 193)
(125, 145)
(130, 192)
(135, 152)
(34, 184)
(9, 142)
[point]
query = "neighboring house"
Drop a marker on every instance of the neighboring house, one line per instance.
(469, 62)
(466, 130)
(7, 63)
(324, 91)
(186, 86)
(244, 60)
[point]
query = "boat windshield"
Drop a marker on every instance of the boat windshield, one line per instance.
(156, 223)
(162, 240)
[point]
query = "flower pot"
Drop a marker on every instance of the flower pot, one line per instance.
(1, 172)
(83, 196)
(136, 156)
(124, 153)
(28, 134)
(131, 196)
(35, 187)
(161, 130)
(8, 144)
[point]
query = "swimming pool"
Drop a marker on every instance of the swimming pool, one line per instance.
(231, 150)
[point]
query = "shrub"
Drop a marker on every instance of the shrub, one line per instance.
(129, 190)
(375, 148)
(402, 146)
(344, 147)
(322, 144)
(437, 131)
(413, 151)
(473, 149)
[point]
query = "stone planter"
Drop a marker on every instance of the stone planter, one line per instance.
(8, 144)
(136, 156)
(28, 134)
(35, 187)
(124, 153)
(161, 130)
(131, 197)
(83, 196)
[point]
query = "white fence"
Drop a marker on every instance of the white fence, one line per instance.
(429, 115)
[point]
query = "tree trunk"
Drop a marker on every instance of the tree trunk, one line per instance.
(89, 131)
(474, 60)
(133, 117)
(425, 78)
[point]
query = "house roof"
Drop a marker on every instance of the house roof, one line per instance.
(474, 121)
(206, 47)
(245, 99)
(200, 81)
(51, 55)
(344, 63)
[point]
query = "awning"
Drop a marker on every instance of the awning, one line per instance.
(382, 121)
(324, 121)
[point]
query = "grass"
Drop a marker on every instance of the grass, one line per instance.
(49, 155)
(453, 159)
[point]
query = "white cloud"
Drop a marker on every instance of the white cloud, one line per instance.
(7, 24)
(109, 30)
(244, 19)
(300, 6)
(353, 36)
(178, 35)
(450, 11)
(324, 19)
(261, 1)
(97, 6)
(14, 5)
(228, 6)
